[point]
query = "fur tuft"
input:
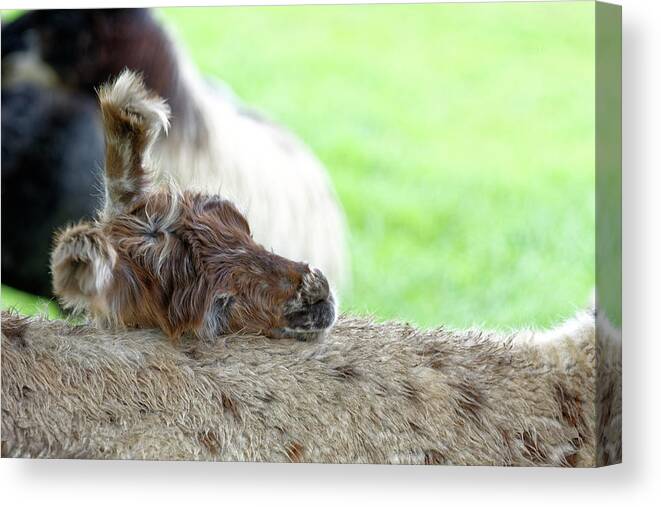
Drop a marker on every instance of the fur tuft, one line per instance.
(82, 264)
(133, 118)
(129, 94)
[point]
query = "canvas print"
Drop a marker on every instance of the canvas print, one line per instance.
(378, 234)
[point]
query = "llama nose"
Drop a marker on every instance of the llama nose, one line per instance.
(315, 287)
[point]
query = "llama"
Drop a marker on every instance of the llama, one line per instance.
(181, 261)
(216, 143)
(52, 146)
(369, 393)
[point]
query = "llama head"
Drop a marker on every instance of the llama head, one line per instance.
(181, 261)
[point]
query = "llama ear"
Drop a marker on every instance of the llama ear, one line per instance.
(193, 309)
(82, 265)
(133, 118)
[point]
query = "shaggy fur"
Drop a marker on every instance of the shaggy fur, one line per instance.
(181, 261)
(371, 393)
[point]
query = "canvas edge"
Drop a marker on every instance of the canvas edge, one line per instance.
(608, 217)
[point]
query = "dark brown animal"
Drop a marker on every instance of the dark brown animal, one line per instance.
(181, 261)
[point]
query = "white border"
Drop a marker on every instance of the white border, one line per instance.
(636, 482)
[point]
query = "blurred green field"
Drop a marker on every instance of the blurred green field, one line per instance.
(27, 304)
(460, 139)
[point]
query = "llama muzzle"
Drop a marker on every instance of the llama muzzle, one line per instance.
(313, 312)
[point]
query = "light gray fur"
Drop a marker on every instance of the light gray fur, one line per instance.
(370, 393)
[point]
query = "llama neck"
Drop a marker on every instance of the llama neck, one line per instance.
(134, 39)
(82, 49)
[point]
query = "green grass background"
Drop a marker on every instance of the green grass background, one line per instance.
(460, 139)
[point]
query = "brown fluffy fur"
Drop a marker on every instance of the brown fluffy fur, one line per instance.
(180, 261)
(371, 393)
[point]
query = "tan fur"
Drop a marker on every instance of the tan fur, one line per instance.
(371, 393)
